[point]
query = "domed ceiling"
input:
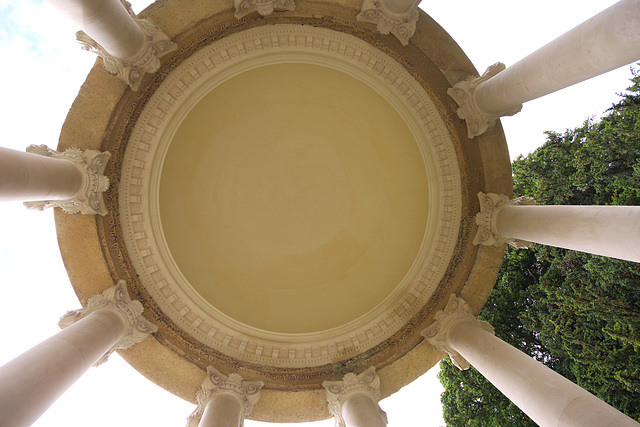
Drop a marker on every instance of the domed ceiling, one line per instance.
(298, 190)
(292, 199)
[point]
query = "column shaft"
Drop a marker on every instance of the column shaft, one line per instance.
(360, 410)
(612, 231)
(27, 176)
(223, 410)
(545, 396)
(30, 383)
(107, 22)
(607, 41)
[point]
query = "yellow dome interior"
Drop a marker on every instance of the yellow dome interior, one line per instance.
(293, 198)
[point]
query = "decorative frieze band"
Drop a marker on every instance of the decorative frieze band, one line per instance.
(337, 392)
(156, 44)
(490, 205)
(263, 7)
(464, 94)
(437, 334)
(400, 25)
(229, 57)
(91, 163)
(116, 298)
(216, 383)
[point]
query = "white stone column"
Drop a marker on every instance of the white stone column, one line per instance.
(607, 41)
(130, 47)
(612, 231)
(30, 383)
(397, 17)
(544, 395)
(26, 176)
(224, 400)
(72, 180)
(354, 400)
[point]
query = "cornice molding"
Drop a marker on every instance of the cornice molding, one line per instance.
(337, 392)
(464, 94)
(216, 383)
(189, 356)
(400, 25)
(149, 140)
(490, 206)
(437, 334)
(131, 70)
(117, 299)
(91, 164)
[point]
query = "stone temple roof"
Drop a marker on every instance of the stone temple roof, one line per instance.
(292, 198)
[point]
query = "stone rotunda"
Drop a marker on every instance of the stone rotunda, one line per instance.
(287, 210)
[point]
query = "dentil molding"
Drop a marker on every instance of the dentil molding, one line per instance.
(337, 392)
(464, 94)
(401, 25)
(263, 7)
(131, 70)
(437, 334)
(487, 220)
(194, 78)
(216, 384)
(91, 163)
(117, 299)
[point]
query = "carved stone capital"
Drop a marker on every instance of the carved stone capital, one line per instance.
(131, 70)
(337, 392)
(400, 25)
(116, 298)
(263, 7)
(490, 205)
(437, 334)
(91, 163)
(216, 383)
(464, 95)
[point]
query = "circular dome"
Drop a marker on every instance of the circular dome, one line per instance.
(237, 254)
(292, 200)
(297, 189)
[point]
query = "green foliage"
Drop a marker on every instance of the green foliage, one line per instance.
(577, 313)
(470, 400)
(587, 311)
(596, 163)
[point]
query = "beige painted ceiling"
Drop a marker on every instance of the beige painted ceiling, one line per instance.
(293, 198)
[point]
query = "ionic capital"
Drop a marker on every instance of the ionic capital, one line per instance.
(437, 334)
(337, 392)
(464, 94)
(117, 299)
(91, 163)
(263, 7)
(401, 25)
(156, 44)
(490, 205)
(216, 383)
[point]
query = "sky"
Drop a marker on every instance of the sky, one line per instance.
(43, 69)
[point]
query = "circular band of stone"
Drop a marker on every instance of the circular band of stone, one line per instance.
(153, 133)
(94, 252)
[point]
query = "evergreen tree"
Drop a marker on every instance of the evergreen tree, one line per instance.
(577, 313)
(470, 399)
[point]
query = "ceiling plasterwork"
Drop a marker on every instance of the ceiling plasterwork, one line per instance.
(161, 117)
(98, 251)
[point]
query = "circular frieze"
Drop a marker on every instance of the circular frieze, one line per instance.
(152, 234)
(293, 198)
